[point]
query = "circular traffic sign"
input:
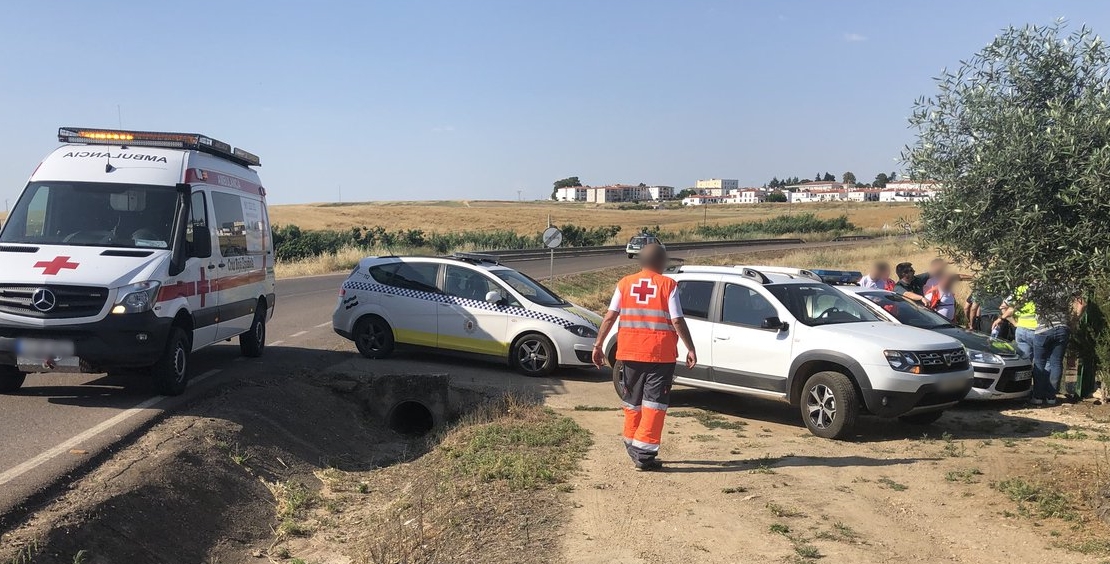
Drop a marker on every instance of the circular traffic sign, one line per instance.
(552, 237)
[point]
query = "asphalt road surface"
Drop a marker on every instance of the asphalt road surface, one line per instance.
(61, 423)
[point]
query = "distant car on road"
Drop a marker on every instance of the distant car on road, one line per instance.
(638, 242)
(1001, 372)
(466, 303)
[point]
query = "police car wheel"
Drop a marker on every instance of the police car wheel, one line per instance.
(253, 342)
(171, 372)
(11, 379)
(829, 405)
(927, 418)
(534, 355)
(373, 337)
(630, 255)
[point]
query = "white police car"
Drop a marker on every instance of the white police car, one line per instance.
(467, 303)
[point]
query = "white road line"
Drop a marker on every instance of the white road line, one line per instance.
(322, 325)
(298, 334)
(66, 446)
(276, 343)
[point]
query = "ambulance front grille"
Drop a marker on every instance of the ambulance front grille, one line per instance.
(68, 301)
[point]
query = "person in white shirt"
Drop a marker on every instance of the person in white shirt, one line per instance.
(941, 299)
(878, 278)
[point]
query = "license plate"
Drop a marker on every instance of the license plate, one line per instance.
(56, 364)
(43, 349)
(951, 385)
(1023, 375)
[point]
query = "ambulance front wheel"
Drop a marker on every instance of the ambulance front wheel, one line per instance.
(11, 379)
(253, 342)
(171, 372)
(373, 337)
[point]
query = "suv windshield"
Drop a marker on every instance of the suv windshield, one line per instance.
(907, 312)
(93, 214)
(820, 304)
(530, 289)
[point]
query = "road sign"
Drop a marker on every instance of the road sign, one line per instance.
(552, 237)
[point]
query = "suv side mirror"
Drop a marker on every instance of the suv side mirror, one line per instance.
(494, 297)
(202, 243)
(774, 323)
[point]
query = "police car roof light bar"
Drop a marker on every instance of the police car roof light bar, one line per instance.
(168, 140)
(477, 257)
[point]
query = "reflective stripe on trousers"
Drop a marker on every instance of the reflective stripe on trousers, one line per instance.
(645, 391)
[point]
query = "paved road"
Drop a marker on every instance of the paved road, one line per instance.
(59, 423)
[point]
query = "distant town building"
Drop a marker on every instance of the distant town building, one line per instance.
(614, 193)
(818, 187)
(716, 186)
(571, 194)
(908, 191)
(658, 193)
(745, 196)
(701, 200)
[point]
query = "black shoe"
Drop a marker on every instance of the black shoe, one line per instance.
(649, 465)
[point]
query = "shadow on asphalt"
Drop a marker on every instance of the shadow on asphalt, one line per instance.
(755, 464)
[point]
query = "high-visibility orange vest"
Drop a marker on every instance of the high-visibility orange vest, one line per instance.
(644, 330)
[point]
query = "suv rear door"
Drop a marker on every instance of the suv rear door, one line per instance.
(744, 354)
(697, 299)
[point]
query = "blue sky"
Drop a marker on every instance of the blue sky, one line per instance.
(479, 99)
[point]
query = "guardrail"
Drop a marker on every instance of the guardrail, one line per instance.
(520, 255)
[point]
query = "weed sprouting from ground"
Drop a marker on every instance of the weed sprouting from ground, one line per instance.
(783, 512)
(1038, 500)
(595, 408)
(966, 475)
(891, 484)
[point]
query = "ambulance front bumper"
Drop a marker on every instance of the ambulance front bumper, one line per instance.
(117, 341)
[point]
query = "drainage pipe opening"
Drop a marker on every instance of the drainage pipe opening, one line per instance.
(411, 418)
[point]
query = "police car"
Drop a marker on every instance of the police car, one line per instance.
(466, 303)
(132, 250)
(637, 243)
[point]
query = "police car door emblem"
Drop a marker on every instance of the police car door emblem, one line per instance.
(644, 290)
(469, 326)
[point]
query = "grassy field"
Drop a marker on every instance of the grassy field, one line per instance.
(531, 217)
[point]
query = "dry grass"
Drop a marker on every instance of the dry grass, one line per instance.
(532, 217)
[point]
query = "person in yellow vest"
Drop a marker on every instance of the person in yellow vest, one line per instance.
(648, 315)
(1022, 313)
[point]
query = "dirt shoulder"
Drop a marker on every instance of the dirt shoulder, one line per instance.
(986, 484)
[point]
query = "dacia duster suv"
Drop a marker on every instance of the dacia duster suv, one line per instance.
(796, 339)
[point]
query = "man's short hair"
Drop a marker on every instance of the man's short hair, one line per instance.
(903, 268)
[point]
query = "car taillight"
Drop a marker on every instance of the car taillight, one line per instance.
(342, 292)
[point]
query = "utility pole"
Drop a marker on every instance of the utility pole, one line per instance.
(518, 197)
(341, 193)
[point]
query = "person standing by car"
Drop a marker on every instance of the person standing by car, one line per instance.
(878, 278)
(909, 284)
(649, 320)
(940, 297)
(1055, 314)
(1022, 312)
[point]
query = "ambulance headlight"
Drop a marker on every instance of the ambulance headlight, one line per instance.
(136, 298)
(583, 331)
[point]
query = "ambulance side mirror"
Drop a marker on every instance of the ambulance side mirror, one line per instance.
(494, 297)
(202, 242)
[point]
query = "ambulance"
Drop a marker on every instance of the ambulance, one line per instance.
(131, 250)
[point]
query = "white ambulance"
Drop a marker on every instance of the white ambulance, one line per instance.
(131, 250)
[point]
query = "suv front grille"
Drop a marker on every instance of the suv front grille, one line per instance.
(935, 362)
(69, 301)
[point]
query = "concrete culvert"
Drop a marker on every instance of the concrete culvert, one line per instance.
(411, 418)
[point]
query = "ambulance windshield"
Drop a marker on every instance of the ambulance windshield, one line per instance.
(93, 214)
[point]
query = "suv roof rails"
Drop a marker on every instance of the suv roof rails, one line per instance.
(786, 271)
(476, 258)
(746, 272)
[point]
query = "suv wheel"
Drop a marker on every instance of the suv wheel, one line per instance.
(617, 367)
(829, 405)
(374, 337)
(630, 255)
(534, 355)
(171, 372)
(927, 418)
(11, 379)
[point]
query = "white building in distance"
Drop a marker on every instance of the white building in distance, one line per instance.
(614, 193)
(716, 186)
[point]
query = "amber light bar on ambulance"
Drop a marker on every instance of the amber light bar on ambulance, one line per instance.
(189, 141)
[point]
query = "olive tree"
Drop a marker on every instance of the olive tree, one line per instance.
(1019, 138)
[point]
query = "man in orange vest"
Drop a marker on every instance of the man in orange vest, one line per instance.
(649, 327)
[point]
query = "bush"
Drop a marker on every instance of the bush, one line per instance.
(778, 225)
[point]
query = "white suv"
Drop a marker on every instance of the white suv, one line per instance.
(465, 303)
(791, 337)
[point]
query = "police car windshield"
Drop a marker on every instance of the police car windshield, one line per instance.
(93, 214)
(533, 291)
(820, 304)
(907, 312)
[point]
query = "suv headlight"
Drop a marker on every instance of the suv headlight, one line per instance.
(137, 298)
(583, 331)
(983, 357)
(903, 361)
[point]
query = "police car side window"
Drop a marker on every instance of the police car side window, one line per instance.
(420, 277)
(695, 296)
(383, 274)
